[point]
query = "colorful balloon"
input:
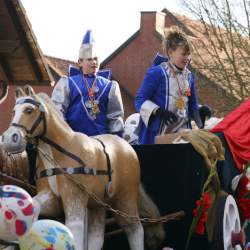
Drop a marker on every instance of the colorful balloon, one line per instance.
(47, 235)
(17, 212)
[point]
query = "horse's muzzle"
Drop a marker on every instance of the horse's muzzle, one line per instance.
(13, 140)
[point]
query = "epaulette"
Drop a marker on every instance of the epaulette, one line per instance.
(106, 73)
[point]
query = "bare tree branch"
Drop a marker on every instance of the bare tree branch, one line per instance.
(224, 33)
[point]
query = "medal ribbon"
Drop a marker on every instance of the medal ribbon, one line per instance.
(188, 91)
(91, 93)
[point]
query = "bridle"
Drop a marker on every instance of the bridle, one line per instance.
(40, 118)
(83, 169)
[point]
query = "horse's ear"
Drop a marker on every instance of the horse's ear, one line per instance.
(19, 92)
(29, 91)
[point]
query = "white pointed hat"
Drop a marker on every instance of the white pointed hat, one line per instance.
(88, 46)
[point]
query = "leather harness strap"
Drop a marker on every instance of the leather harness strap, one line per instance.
(39, 119)
(83, 169)
(62, 150)
(70, 170)
(108, 159)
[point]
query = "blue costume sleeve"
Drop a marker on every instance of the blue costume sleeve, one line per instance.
(192, 102)
(115, 111)
(149, 85)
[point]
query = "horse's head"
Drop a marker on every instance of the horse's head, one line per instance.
(28, 121)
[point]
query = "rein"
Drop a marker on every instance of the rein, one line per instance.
(83, 169)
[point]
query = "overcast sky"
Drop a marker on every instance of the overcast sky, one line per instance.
(59, 25)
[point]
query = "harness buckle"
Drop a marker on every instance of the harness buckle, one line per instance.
(94, 171)
(70, 170)
(86, 170)
(109, 189)
(49, 172)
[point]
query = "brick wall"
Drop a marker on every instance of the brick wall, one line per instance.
(131, 61)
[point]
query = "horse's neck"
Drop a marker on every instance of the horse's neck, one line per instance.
(64, 137)
(46, 156)
(58, 131)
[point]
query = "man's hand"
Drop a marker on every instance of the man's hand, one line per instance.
(167, 116)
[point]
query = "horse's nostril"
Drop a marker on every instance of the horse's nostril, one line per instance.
(15, 137)
(2, 138)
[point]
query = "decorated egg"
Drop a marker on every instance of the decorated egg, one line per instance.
(47, 235)
(17, 212)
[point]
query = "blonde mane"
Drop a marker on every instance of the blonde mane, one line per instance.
(45, 98)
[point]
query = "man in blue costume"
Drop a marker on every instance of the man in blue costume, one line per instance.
(89, 103)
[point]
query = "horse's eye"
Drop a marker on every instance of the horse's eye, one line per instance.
(13, 113)
(28, 111)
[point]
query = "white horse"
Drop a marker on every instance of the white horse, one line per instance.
(107, 165)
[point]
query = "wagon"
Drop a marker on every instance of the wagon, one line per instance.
(173, 175)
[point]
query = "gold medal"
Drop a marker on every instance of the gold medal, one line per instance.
(92, 103)
(180, 103)
(95, 109)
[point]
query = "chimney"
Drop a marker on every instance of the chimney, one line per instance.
(152, 21)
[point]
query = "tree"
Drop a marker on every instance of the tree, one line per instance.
(222, 42)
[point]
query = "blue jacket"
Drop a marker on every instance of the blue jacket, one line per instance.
(155, 87)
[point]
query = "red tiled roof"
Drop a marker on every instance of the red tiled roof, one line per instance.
(59, 65)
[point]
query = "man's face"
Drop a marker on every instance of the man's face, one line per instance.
(89, 65)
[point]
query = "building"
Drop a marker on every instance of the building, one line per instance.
(132, 59)
(22, 62)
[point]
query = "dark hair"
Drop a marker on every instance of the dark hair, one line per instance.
(175, 38)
